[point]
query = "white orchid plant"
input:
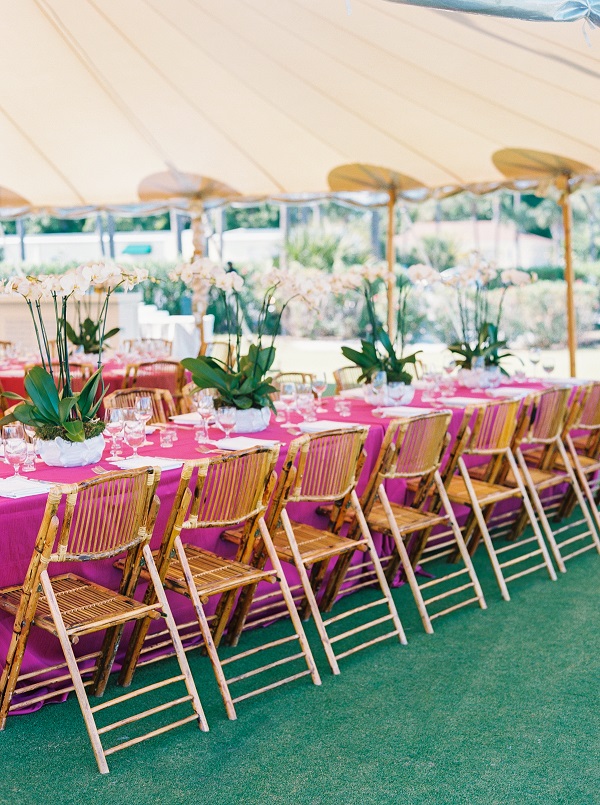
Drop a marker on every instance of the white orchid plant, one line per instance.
(245, 383)
(380, 352)
(52, 408)
(478, 326)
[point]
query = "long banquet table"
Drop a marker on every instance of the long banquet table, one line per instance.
(21, 518)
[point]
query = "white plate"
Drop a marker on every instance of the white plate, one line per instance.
(244, 443)
(402, 411)
(133, 463)
(325, 424)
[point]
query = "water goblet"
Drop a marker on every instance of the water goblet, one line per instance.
(135, 435)
(287, 397)
(15, 452)
(305, 404)
(143, 409)
(548, 366)
(114, 426)
(534, 358)
(31, 441)
(319, 385)
(204, 404)
(226, 419)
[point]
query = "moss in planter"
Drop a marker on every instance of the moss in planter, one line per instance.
(48, 433)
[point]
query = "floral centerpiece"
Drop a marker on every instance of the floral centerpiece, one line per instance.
(380, 352)
(478, 326)
(244, 383)
(61, 417)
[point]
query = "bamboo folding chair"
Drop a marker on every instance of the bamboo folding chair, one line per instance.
(324, 467)
(582, 437)
(547, 466)
(221, 351)
(229, 490)
(187, 403)
(490, 440)
(163, 405)
(164, 374)
(347, 378)
(292, 377)
(102, 518)
(130, 344)
(412, 451)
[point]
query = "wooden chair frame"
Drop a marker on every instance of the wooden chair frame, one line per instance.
(549, 467)
(491, 439)
(133, 371)
(103, 517)
(220, 499)
(413, 450)
(166, 344)
(346, 377)
(163, 405)
(324, 467)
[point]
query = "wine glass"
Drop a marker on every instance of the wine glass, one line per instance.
(534, 358)
(204, 404)
(15, 452)
(319, 385)
(115, 424)
(287, 397)
(305, 403)
(226, 419)
(135, 435)
(548, 366)
(143, 409)
(31, 441)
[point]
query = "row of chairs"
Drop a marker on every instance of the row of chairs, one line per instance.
(320, 468)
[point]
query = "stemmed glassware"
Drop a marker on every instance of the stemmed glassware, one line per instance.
(534, 358)
(204, 403)
(287, 397)
(135, 435)
(548, 366)
(305, 401)
(31, 441)
(115, 425)
(226, 419)
(15, 446)
(319, 385)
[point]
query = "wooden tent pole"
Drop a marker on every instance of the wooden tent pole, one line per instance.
(570, 280)
(391, 258)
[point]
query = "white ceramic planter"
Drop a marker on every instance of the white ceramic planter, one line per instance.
(61, 453)
(252, 420)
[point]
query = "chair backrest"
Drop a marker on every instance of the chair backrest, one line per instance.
(589, 413)
(165, 374)
(292, 377)
(80, 372)
(417, 446)
(231, 489)
(163, 405)
(104, 516)
(325, 466)
(187, 403)
(166, 346)
(493, 429)
(347, 378)
(219, 350)
(546, 413)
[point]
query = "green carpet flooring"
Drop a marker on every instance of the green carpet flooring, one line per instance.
(498, 707)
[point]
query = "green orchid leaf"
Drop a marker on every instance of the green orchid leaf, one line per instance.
(65, 407)
(75, 430)
(40, 387)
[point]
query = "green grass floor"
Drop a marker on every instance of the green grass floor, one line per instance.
(497, 707)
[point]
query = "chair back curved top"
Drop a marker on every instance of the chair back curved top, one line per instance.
(292, 377)
(164, 374)
(103, 516)
(187, 402)
(494, 427)
(417, 446)
(221, 351)
(589, 412)
(546, 413)
(163, 405)
(347, 378)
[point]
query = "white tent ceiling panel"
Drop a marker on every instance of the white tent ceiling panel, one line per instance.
(269, 95)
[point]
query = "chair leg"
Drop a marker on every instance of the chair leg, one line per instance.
(209, 643)
(177, 644)
(406, 563)
(377, 567)
(540, 511)
(479, 516)
(65, 643)
(289, 601)
(336, 579)
(584, 483)
(12, 668)
(579, 495)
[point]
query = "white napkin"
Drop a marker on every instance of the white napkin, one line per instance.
(244, 443)
(403, 411)
(510, 391)
(567, 381)
(325, 424)
(134, 462)
(23, 487)
(462, 402)
(192, 418)
(353, 394)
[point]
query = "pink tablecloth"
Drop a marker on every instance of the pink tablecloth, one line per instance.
(21, 518)
(12, 377)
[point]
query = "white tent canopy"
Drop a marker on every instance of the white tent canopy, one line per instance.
(269, 96)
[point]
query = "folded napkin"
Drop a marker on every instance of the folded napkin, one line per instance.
(567, 381)
(325, 424)
(402, 411)
(352, 394)
(134, 462)
(509, 391)
(192, 418)
(15, 487)
(462, 402)
(244, 443)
